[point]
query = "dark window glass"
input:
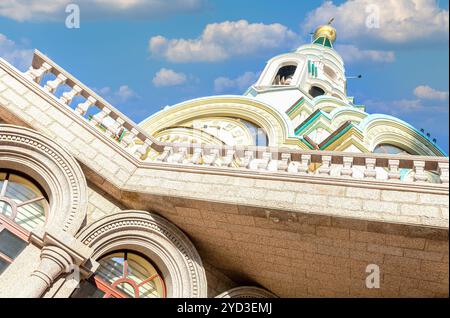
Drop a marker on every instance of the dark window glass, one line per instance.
(316, 91)
(10, 245)
(3, 265)
(285, 75)
(87, 290)
(390, 149)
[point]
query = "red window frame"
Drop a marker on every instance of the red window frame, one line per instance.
(110, 289)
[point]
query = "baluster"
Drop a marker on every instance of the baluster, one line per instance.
(443, 172)
(212, 157)
(325, 168)
(394, 173)
(347, 170)
(284, 162)
(248, 156)
(197, 156)
(370, 172)
(52, 86)
(98, 118)
(113, 127)
(165, 154)
(419, 171)
(141, 151)
(67, 97)
(304, 164)
(130, 136)
(263, 163)
(179, 156)
(36, 74)
(119, 128)
(82, 108)
(228, 159)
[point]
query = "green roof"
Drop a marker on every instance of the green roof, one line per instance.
(322, 40)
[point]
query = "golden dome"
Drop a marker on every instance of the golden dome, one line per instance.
(325, 31)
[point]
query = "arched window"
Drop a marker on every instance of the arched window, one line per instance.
(329, 71)
(316, 91)
(123, 275)
(259, 135)
(389, 149)
(23, 206)
(285, 75)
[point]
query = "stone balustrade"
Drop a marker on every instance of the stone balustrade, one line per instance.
(93, 107)
(97, 112)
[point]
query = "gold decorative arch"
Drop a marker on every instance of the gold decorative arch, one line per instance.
(271, 121)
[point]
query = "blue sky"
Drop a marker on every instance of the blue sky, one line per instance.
(145, 54)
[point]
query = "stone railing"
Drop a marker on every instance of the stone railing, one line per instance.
(91, 107)
(131, 138)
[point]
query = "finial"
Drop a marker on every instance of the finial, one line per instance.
(325, 34)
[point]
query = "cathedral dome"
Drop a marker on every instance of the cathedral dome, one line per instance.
(325, 35)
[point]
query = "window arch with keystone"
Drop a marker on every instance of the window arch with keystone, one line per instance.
(165, 262)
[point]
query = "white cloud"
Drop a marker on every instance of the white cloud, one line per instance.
(223, 84)
(403, 106)
(123, 94)
(427, 92)
(220, 41)
(22, 10)
(351, 53)
(25, 10)
(400, 21)
(14, 54)
(395, 108)
(167, 77)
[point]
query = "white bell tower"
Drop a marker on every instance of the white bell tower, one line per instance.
(311, 71)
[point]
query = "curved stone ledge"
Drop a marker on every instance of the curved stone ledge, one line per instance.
(159, 239)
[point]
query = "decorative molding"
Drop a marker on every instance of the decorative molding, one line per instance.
(166, 245)
(54, 168)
